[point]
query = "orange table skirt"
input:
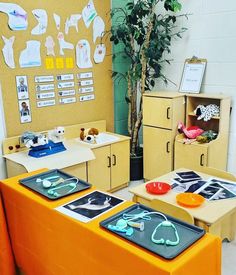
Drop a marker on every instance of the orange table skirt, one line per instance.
(7, 266)
(45, 242)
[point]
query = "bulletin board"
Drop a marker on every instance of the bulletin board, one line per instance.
(93, 102)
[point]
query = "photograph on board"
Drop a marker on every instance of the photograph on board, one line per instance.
(24, 109)
(22, 87)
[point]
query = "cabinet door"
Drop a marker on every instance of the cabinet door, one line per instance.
(192, 156)
(157, 112)
(158, 152)
(120, 155)
(78, 171)
(99, 168)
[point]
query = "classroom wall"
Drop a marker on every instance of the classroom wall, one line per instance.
(212, 35)
(120, 88)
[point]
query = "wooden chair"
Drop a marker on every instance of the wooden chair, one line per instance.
(172, 210)
(217, 173)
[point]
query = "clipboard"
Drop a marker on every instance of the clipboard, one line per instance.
(192, 76)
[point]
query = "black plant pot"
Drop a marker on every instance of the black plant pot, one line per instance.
(136, 168)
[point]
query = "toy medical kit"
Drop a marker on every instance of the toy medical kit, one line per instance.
(163, 235)
(54, 184)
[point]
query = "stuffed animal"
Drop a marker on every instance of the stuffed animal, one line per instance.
(207, 112)
(191, 132)
(89, 135)
(57, 134)
(207, 136)
(31, 139)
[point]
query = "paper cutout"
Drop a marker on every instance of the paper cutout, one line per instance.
(30, 57)
(50, 44)
(98, 28)
(59, 63)
(49, 63)
(25, 113)
(89, 13)
(42, 18)
(44, 87)
(86, 90)
(17, 16)
(22, 87)
(69, 63)
(66, 92)
(57, 20)
(7, 51)
(68, 84)
(72, 22)
(99, 53)
(83, 54)
(86, 82)
(63, 44)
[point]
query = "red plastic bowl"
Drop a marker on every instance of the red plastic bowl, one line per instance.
(157, 187)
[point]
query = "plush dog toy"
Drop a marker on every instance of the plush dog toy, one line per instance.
(57, 134)
(207, 112)
(89, 135)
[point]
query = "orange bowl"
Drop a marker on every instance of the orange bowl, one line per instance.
(189, 199)
(157, 187)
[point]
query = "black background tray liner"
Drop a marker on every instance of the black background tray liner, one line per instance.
(31, 183)
(188, 233)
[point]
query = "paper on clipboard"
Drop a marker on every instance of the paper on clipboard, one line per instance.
(192, 75)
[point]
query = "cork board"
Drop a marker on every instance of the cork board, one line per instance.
(59, 114)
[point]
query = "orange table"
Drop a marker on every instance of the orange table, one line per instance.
(7, 266)
(48, 242)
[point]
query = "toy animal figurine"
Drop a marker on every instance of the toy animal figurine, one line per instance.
(31, 139)
(89, 135)
(57, 134)
(207, 136)
(190, 132)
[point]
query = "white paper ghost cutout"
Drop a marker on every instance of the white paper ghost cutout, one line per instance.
(17, 16)
(72, 22)
(98, 28)
(83, 54)
(63, 44)
(57, 20)
(89, 13)
(8, 51)
(99, 53)
(49, 44)
(42, 18)
(30, 57)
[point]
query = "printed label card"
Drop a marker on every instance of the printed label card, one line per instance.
(22, 87)
(25, 112)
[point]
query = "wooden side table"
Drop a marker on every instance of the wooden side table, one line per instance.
(216, 217)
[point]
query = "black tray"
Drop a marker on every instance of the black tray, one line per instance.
(188, 233)
(33, 184)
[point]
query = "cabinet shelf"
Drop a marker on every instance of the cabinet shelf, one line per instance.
(194, 115)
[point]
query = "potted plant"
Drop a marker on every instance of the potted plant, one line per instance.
(144, 36)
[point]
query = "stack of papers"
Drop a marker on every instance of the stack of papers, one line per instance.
(211, 189)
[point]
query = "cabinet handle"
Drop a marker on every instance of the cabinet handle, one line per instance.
(168, 147)
(202, 160)
(109, 161)
(114, 160)
(168, 113)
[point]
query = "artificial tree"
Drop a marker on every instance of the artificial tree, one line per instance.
(145, 35)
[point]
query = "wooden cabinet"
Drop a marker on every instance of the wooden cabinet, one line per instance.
(212, 154)
(110, 170)
(161, 113)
